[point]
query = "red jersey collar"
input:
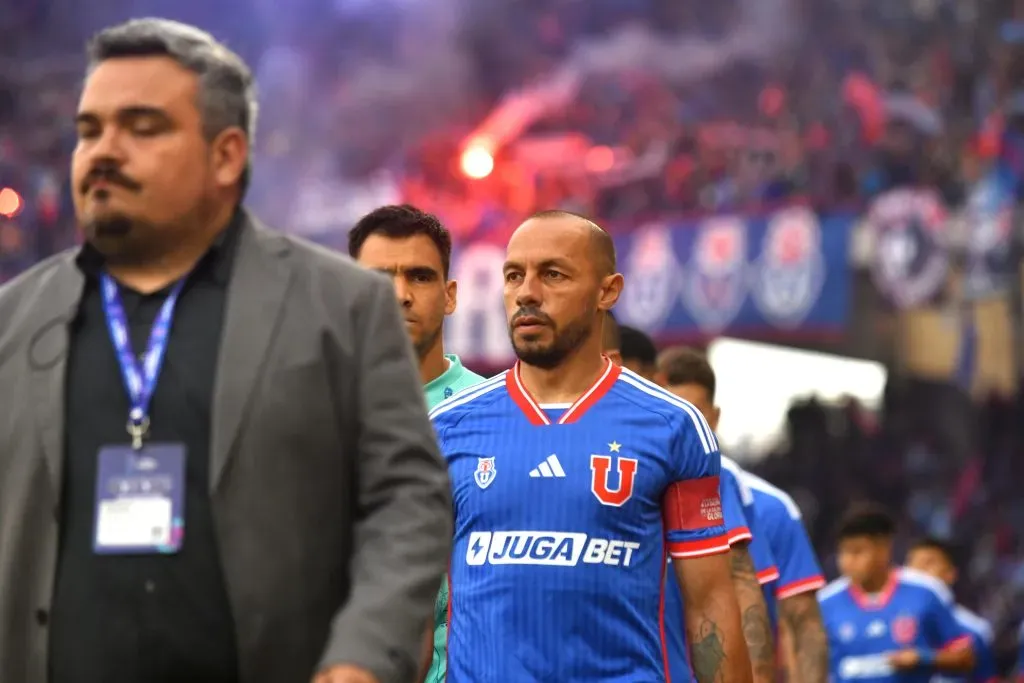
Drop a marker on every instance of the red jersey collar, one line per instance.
(876, 600)
(536, 415)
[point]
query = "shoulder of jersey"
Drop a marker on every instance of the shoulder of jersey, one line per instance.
(760, 485)
(833, 589)
(648, 395)
(913, 577)
(731, 467)
(974, 623)
(471, 398)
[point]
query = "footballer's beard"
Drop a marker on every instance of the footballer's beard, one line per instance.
(564, 341)
(425, 344)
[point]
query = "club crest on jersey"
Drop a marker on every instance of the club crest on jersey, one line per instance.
(904, 630)
(790, 273)
(608, 489)
(714, 284)
(485, 472)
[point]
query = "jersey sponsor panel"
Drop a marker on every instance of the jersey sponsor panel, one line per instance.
(547, 548)
(857, 667)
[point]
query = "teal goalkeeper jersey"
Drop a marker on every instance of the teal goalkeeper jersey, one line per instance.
(454, 379)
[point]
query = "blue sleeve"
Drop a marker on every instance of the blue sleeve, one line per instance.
(440, 424)
(752, 528)
(944, 629)
(799, 570)
(985, 660)
(692, 504)
(734, 513)
(760, 548)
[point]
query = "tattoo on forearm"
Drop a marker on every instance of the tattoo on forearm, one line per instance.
(757, 629)
(708, 654)
(810, 643)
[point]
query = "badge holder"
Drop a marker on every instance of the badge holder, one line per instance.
(140, 487)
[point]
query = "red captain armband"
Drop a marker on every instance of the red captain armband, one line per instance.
(692, 504)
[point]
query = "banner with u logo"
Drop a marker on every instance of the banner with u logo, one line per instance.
(778, 275)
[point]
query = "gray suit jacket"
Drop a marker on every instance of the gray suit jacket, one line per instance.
(331, 501)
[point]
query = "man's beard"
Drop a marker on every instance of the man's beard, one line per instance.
(565, 341)
(425, 343)
(120, 238)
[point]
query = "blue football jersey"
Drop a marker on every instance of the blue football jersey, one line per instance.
(564, 519)
(914, 610)
(741, 525)
(798, 568)
(765, 563)
(982, 637)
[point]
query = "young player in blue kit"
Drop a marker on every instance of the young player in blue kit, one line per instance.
(935, 557)
(561, 578)
(887, 624)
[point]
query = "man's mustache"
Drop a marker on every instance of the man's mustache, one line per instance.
(530, 312)
(110, 175)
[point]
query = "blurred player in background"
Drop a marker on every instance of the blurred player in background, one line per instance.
(935, 557)
(637, 352)
(687, 373)
(792, 600)
(751, 558)
(572, 479)
(415, 250)
(886, 623)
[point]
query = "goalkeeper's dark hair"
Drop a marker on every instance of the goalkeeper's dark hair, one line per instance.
(399, 221)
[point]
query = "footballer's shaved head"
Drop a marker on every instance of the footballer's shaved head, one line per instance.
(602, 248)
(560, 280)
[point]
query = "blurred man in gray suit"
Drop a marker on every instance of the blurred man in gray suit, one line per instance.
(215, 461)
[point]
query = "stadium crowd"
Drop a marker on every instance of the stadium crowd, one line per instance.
(869, 95)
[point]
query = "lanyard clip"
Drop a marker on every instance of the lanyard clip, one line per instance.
(138, 427)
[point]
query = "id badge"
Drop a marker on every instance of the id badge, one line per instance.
(140, 500)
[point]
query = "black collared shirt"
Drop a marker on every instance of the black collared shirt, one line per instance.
(143, 618)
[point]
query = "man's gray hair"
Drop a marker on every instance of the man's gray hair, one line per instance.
(227, 90)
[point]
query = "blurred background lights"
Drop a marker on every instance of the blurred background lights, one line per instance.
(11, 203)
(477, 162)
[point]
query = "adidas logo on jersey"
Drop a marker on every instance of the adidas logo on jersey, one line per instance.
(549, 468)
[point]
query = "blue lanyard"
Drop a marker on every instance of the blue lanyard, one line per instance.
(139, 377)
